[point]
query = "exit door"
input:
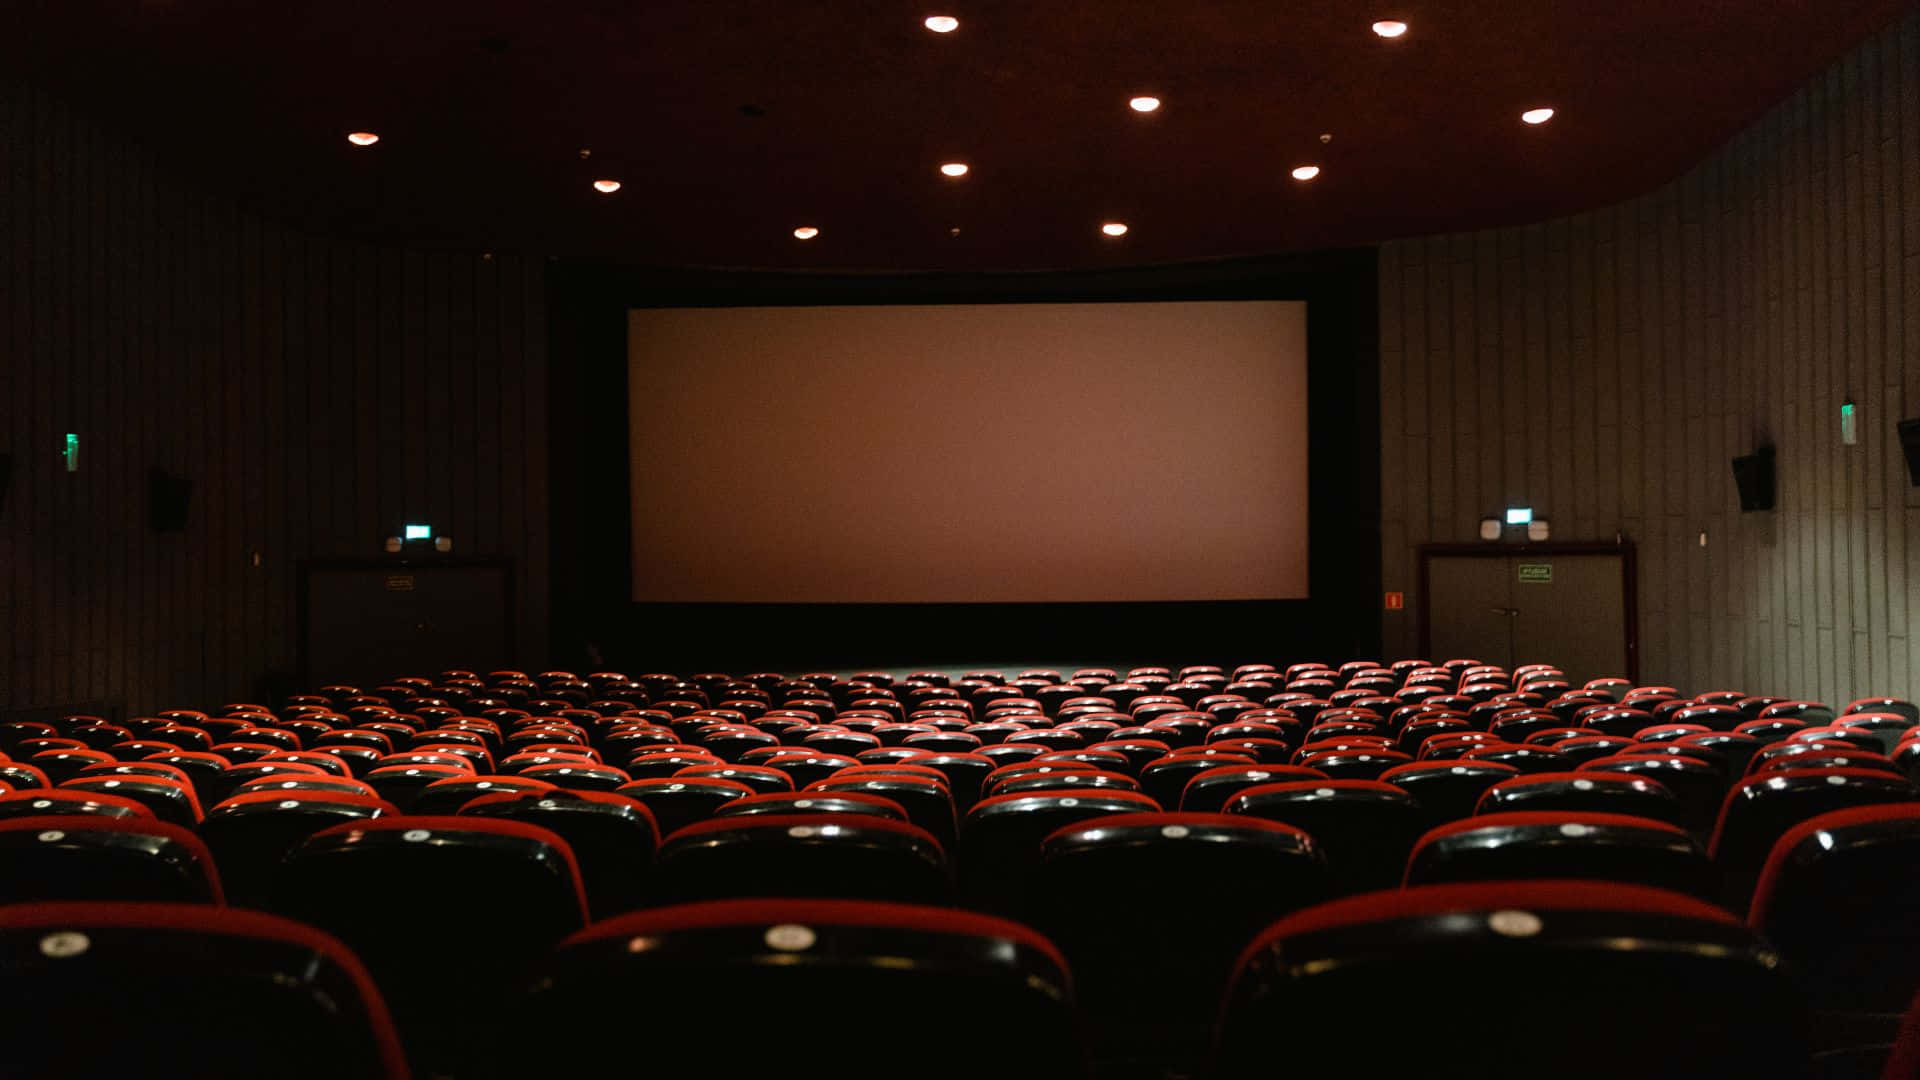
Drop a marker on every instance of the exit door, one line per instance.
(1570, 606)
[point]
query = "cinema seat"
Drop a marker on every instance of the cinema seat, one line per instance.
(612, 837)
(677, 803)
(109, 991)
(855, 990)
(447, 980)
(927, 801)
(1760, 810)
(1585, 792)
(1511, 981)
(43, 802)
(821, 856)
(1000, 839)
(1448, 790)
(1840, 898)
(448, 795)
(251, 832)
(1210, 791)
(1105, 890)
(171, 801)
(1563, 844)
(1364, 827)
(93, 857)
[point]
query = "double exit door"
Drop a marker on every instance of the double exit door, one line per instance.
(1566, 605)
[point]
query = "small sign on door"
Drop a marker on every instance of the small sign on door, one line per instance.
(399, 582)
(1536, 573)
(1396, 601)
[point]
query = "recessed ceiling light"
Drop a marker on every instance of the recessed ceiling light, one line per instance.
(1144, 103)
(954, 168)
(1389, 28)
(606, 187)
(1114, 228)
(1306, 172)
(363, 138)
(942, 24)
(1537, 116)
(805, 232)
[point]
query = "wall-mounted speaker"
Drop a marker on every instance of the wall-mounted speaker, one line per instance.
(167, 497)
(1754, 476)
(1909, 445)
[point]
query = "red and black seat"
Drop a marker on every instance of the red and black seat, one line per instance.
(1364, 827)
(1482, 980)
(1839, 896)
(822, 856)
(1001, 837)
(813, 802)
(613, 838)
(251, 832)
(449, 982)
(1585, 792)
(1105, 890)
(106, 991)
(1448, 790)
(743, 986)
(94, 857)
(1762, 809)
(1568, 844)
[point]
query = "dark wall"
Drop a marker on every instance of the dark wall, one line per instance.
(595, 622)
(315, 392)
(1606, 368)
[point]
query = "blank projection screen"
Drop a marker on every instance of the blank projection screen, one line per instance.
(970, 453)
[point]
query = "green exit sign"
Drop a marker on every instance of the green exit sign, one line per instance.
(1536, 573)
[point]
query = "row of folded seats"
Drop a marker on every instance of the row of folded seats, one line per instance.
(1488, 871)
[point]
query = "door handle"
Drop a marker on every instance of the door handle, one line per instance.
(1509, 612)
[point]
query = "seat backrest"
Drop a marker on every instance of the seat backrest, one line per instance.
(757, 976)
(245, 988)
(94, 857)
(1680, 987)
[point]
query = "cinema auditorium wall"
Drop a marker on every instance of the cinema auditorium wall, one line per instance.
(1605, 368)
(316, 392)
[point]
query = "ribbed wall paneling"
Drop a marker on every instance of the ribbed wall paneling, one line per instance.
(1606, 368)
(317, 393)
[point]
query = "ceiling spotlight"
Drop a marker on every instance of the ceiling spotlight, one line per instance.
(1144, 103)
(942, 24)
(606, 187)
(1306, 172)
(1537, 116)
(805, 232)
(954, 168)
(1389, 28)
(363, 138)
(1114, 228)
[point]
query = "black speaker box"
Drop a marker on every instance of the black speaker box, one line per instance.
(1909, 445)
(167, 500)
(1754, 476)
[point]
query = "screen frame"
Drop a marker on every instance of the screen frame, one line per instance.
(596, 624)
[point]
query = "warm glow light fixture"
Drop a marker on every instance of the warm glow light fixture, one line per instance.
(606, 187)
(1144, 103)
(1306, 172)
(954, 168)
(942, 24)
(1389, 28)
(1114, 228)
(805, 232)
(1537, 116)
(362, 138)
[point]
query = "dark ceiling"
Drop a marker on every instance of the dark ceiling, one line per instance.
(730, 122)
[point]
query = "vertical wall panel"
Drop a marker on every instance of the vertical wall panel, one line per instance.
(313, 390)
(1638, 348)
